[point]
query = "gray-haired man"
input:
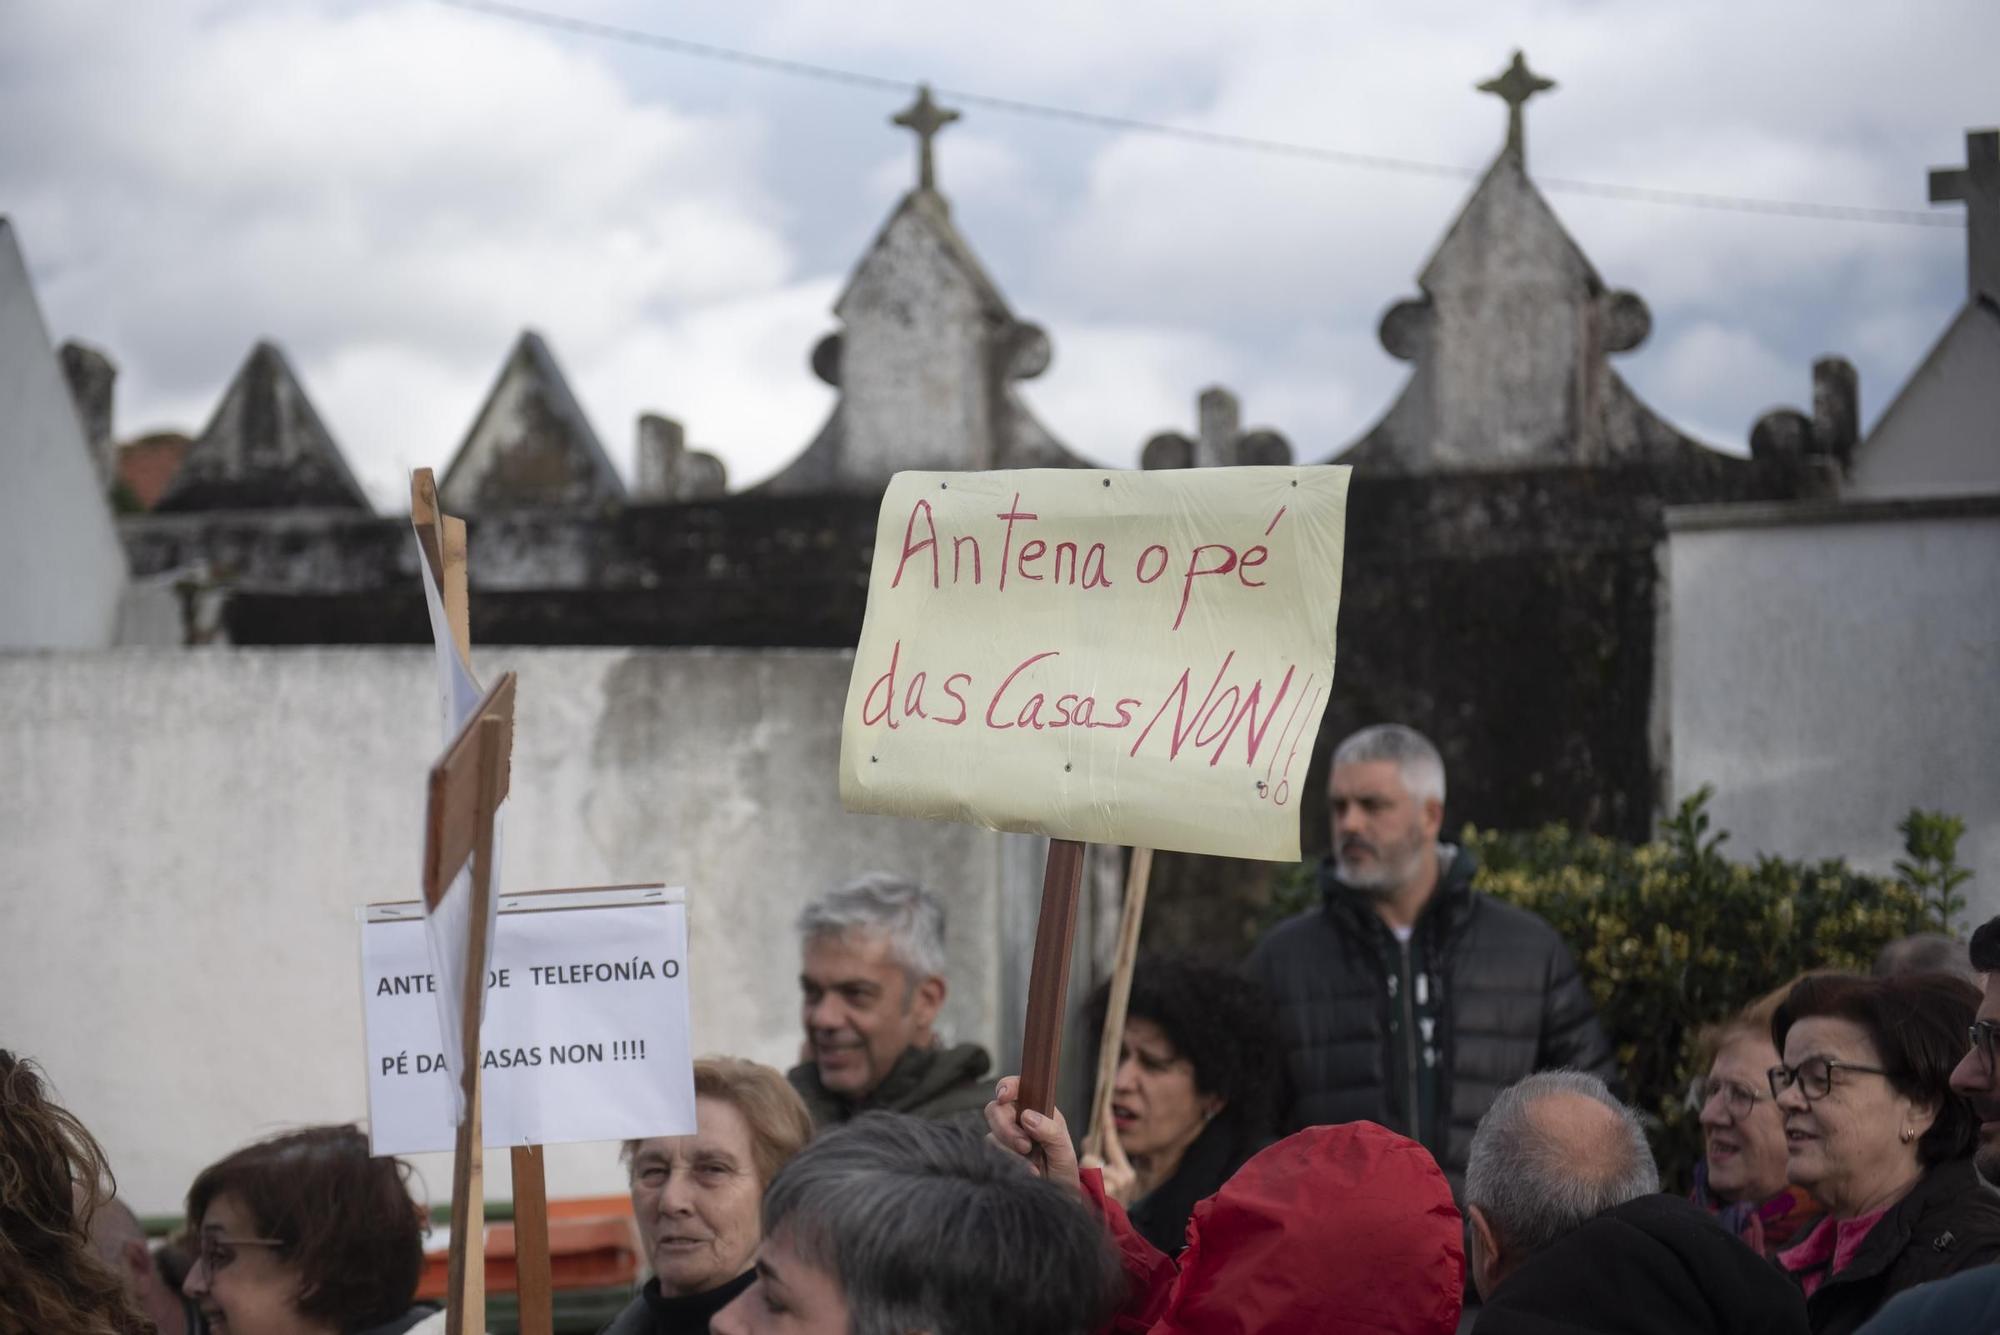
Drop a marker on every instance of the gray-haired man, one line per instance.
(1569, 1232)
(1407, 997)
(871, 979)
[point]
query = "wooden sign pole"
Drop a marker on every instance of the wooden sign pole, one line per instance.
(466, 789)
(1048, 979)
(534, 1288)
(1137, 877)
(534, 1280)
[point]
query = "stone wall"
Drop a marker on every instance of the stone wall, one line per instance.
(741, 571)
(189, 834)
(1512, 618)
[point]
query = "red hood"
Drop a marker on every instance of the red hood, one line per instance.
(1338, 1230)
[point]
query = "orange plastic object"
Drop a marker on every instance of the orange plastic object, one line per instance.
(593, 1244)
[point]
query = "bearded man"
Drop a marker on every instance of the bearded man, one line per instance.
(1407, 997)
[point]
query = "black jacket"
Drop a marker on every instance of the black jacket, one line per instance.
(1657, 1265)
(1949, 1222)
(653, 1313)
(1511, 1004)
(1968, 1301)
(1161, 1215)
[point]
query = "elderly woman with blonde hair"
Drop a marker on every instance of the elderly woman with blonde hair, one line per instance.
(698, 1198)
(1741, 1176)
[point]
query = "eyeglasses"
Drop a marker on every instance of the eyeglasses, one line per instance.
(216, 1251)
(1814, 1076)
(1737, 1099)
(1982, 1033)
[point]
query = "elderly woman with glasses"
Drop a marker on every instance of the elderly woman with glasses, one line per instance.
(306, 1234)
(1741, 1177)
(1874, 1131)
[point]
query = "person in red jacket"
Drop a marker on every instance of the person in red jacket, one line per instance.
(1336, 1230)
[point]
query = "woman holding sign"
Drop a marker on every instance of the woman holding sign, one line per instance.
(1199, 1088)
(698, 1198)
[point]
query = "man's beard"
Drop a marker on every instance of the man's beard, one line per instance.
(1986, 1161)
(1391, 870)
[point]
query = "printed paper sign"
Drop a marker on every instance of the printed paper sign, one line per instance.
(586, 1031)
(1114, 657)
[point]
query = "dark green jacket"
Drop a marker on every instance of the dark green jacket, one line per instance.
(941, 1084)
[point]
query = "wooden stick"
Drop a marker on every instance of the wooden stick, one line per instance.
(534, 1284)
(445, 537)
(466, 1310)
(1048, 980)
(424, 514)
(465, 1313)
(1137, 878)
(452, 587)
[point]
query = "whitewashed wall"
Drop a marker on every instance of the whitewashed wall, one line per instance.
(189, 833)
(1828, 667)
(65, 571)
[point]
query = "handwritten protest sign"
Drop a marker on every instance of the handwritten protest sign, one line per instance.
(586, 1029)
(1108, 657)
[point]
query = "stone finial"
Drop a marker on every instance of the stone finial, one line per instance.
(531, 446)
(265, 448)
(1830, 433)
(1836, 407)
(1977, 186)
(91, 376)
(925, 361)
(925, 119)
(669, 471)
(1514, 86)
(662, 441)
(1221, 443)
(1509, 341)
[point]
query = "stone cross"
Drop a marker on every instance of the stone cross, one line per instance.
(925, 118)
(1977, 184)
(1515, 86)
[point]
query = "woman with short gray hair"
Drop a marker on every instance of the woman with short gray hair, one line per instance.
(696, 1197)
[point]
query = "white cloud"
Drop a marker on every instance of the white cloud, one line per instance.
(733, 373)
(391, 194)
(393, 190)
(1732, 374)
(1111, 388)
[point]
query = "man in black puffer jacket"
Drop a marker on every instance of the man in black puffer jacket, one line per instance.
(1408, 998)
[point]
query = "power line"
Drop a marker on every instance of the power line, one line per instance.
(1636, 194)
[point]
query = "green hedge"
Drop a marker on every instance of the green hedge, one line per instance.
(1672, 936)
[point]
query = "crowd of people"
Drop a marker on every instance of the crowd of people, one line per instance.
(1400, 1116)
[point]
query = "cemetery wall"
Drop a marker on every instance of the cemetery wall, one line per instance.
(1827, 668)
(189, 834)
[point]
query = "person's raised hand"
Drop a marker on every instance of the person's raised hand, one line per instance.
(1121, 1180)
(1042, 1140)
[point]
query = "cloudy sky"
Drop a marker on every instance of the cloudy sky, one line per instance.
(392, 189)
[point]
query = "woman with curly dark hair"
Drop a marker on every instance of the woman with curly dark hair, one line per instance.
(306, 1234)
(1200, 1087)
(52, 1179)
